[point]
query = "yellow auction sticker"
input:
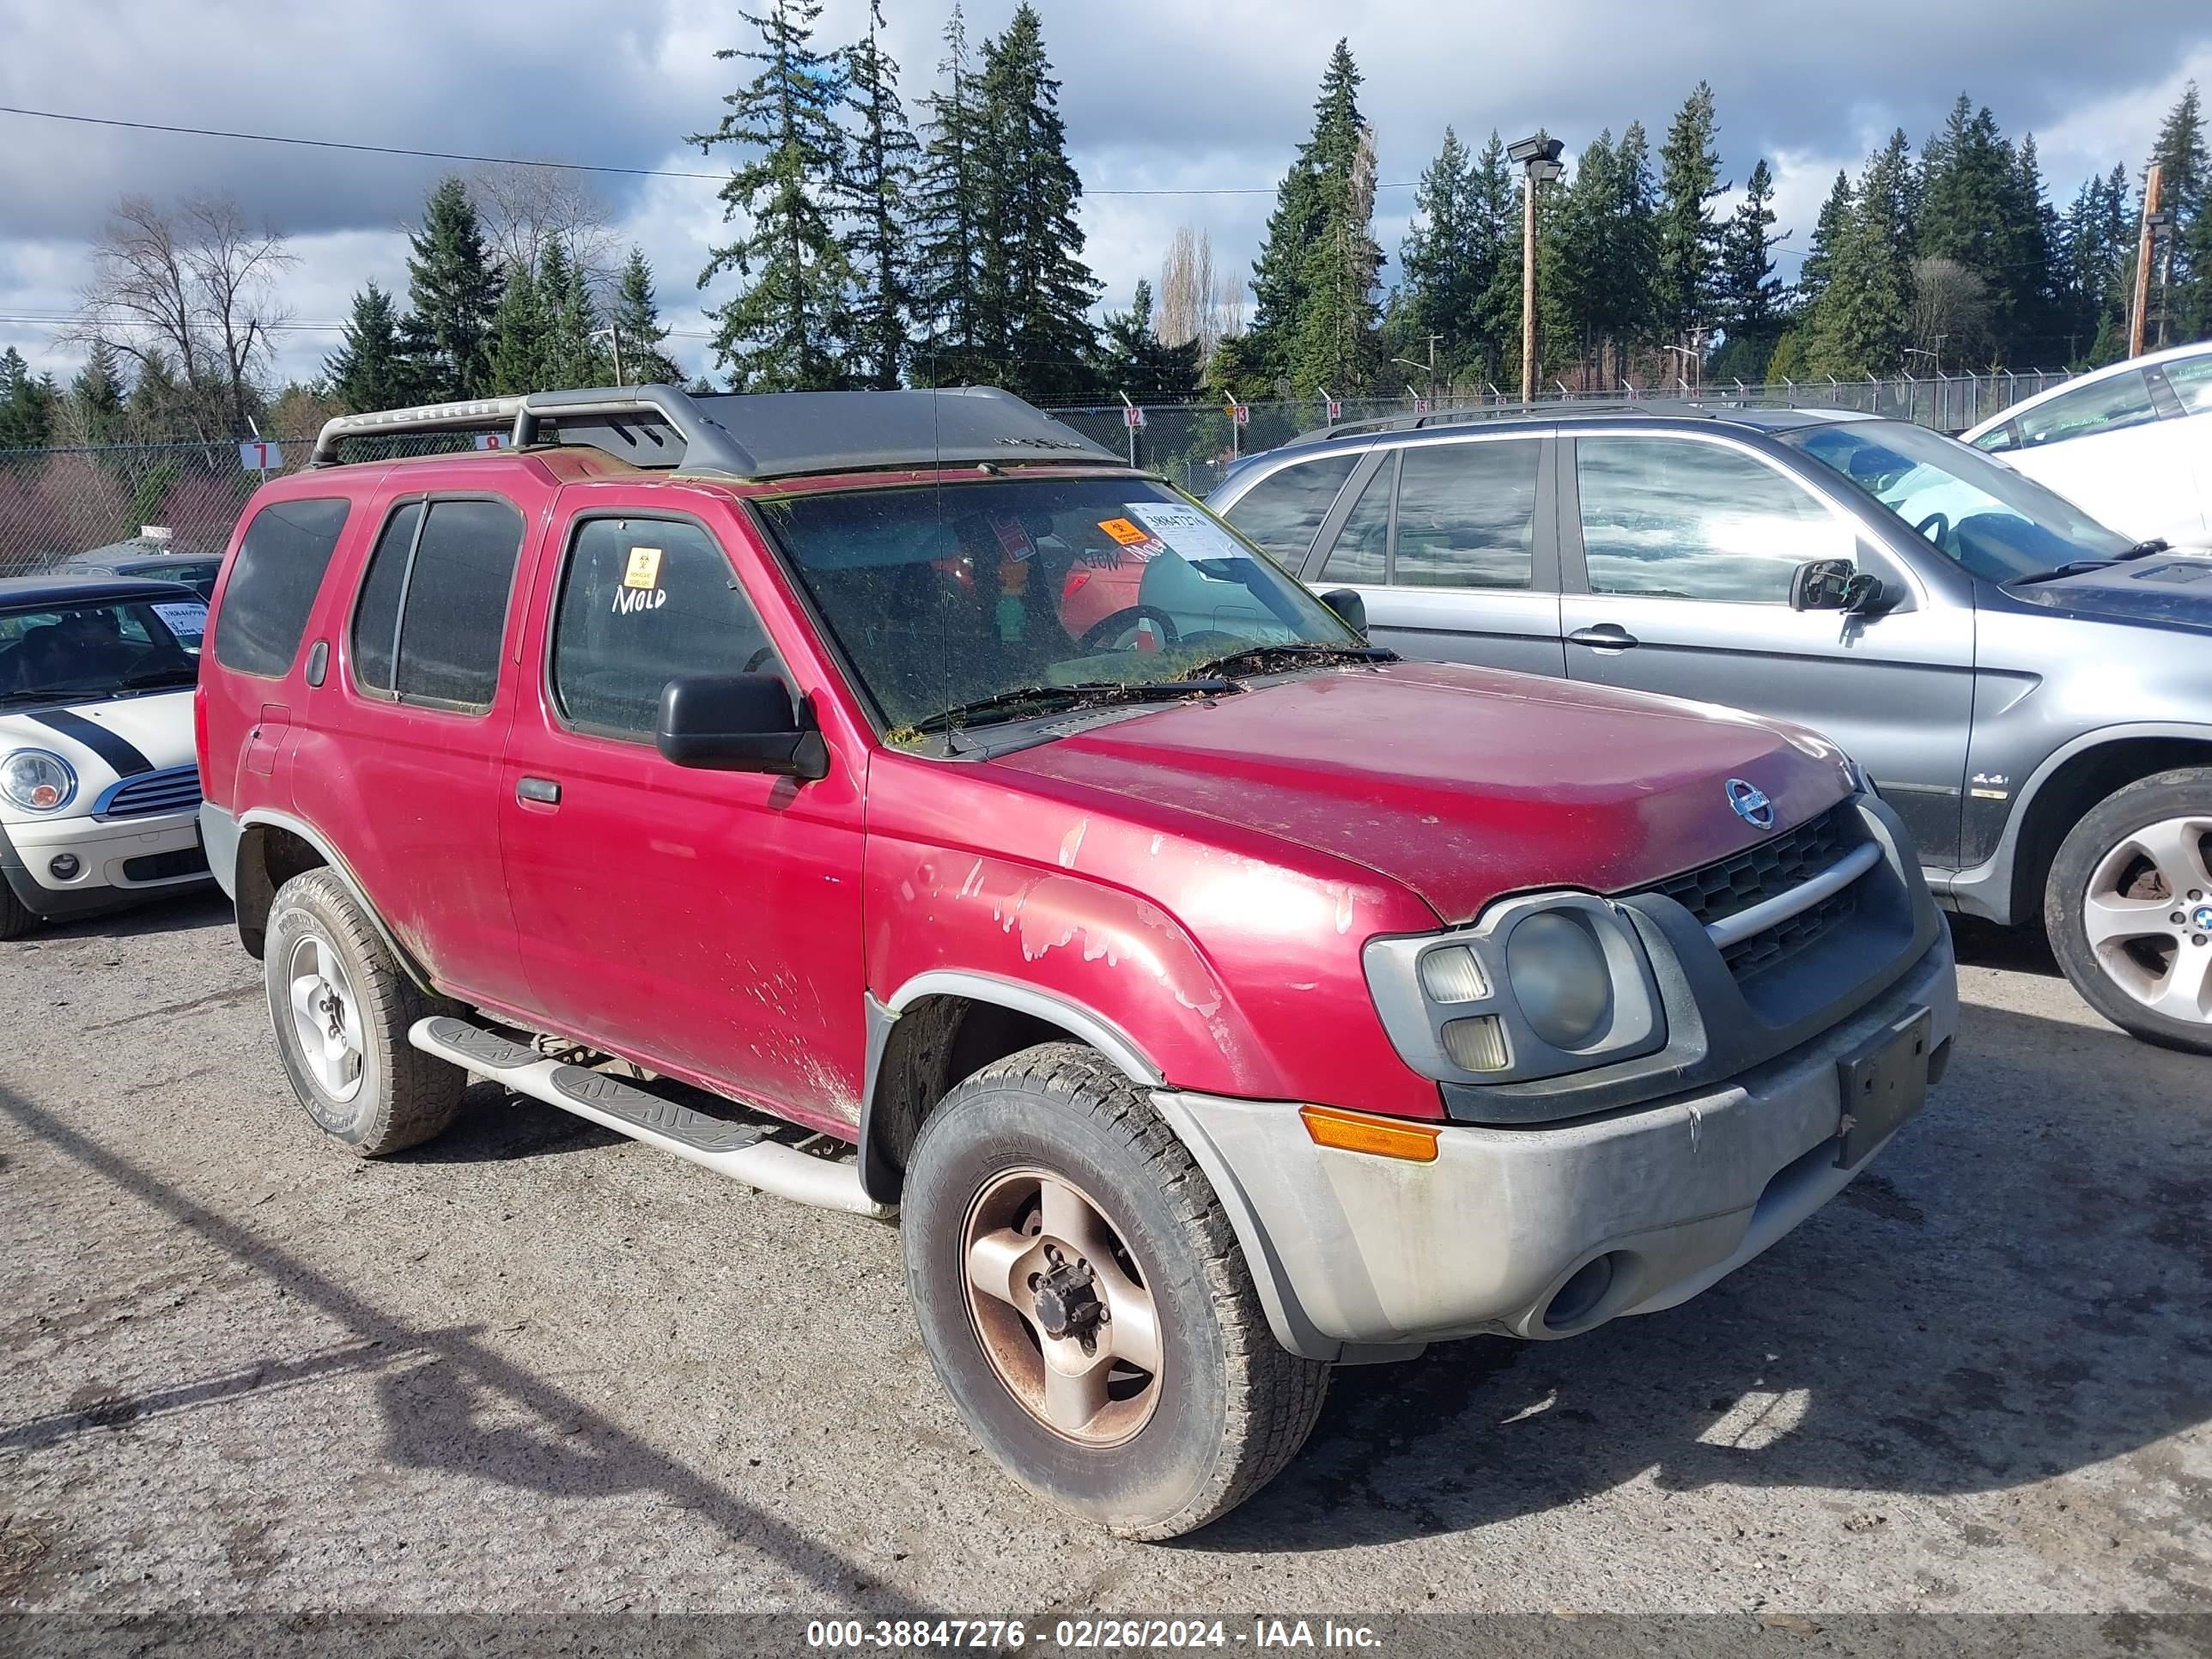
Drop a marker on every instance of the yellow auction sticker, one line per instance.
(1128, 534)
(644, 567)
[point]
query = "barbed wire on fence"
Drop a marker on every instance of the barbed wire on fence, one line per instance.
(56, 503)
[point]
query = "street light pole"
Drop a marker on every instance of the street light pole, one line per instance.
(1539, 163)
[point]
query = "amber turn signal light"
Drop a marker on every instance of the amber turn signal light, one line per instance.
(1355, 1131)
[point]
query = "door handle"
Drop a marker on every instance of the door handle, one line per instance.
(1604, 637)
(542, 791)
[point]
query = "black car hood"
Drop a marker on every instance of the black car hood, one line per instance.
(2169, 589)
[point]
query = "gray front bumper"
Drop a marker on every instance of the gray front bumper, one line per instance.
(1361, 1257)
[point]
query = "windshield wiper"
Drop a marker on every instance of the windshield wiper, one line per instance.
(1261, 659)
(2077, 567)
(1053, 699)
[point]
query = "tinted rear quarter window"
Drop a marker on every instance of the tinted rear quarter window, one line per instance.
(273, 584)
(1283, 509)
(450, 597)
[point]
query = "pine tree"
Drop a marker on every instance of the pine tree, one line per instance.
(1862, 322)
(1444, 257)
(1975, 210)
(1134, 359)
(1828, 231)
(27, 405)
(572, 357)
(96, 397)
(1689, 240)
(519, 336)
(371, 369)
(635, 318)
(948, 210)
(1034, 291)
(451, 287)
(1750, 294)
(1309, 207)
(788, 330)
(878, 190)
(2185, 187)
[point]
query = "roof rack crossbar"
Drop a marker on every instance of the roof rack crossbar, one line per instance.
(1470, 414)
(707, 447)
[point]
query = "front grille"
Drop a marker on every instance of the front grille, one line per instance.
(1773, 867)
(1758, 873)
(166, 867)
(1786, 938)
(174, 789)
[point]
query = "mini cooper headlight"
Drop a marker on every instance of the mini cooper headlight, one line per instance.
(37, 781)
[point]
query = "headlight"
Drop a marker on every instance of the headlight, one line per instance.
(37, 781)
(1541, 985)
(1558, 977)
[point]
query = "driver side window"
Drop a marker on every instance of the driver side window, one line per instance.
(642, 601)
(1684, 519)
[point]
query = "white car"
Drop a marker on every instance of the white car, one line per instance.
(100, 788)
(2131, 443)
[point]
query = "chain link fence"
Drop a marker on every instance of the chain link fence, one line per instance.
(59, 503)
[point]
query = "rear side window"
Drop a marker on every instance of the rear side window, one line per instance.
(433, 607)
(642, 601)
(2105, 406)
(1466, 515)
(273, 584)
(1283, 509)
(2191, 381)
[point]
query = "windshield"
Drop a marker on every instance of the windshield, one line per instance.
(1995, 523)
(74, 654)
(949, 597)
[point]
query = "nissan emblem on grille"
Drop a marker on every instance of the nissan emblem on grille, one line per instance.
(1751, 804)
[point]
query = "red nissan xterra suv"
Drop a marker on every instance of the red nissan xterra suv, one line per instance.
(893, 801)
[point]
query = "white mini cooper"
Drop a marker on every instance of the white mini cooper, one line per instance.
(100, 790)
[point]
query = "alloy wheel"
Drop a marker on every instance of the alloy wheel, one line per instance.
(2147, 917)
(326, 1017)
(1060, 1307)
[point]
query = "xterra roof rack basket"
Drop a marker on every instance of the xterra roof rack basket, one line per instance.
(753, 435)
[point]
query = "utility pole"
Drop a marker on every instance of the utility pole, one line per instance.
(1539, 163)
(614, 337)
(2143, 262)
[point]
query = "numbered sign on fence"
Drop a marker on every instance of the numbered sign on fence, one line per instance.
(1133, 417)
(260, 456)
(1335, 410)
(1240, 414)
(491, 441)
(1420, 405)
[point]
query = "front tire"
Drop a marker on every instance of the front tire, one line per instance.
(2128, 908)
(341, 1007)
(16, 920)
(1085, 1302)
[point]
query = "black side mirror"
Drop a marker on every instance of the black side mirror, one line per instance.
(1866, 595)
(738, 723)
(1821, 585)
(1349, 607)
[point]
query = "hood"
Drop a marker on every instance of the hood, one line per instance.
(103, 741)
(2169, 590)
(1462, 783)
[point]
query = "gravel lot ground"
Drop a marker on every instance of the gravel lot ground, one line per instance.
(533, 1367)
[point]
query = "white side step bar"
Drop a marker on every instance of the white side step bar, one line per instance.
(744, 1153)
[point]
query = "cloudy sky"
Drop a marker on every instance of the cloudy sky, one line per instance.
(1160, 96)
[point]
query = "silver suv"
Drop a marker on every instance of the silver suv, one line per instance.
(2029, 690)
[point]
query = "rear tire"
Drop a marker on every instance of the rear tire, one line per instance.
(1225, 1406)
(2128, 908)
(14, 920)
(341, 1008)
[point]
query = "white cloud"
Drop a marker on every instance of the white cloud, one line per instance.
(1157, 94)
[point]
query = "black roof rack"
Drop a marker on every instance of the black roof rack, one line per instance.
(1475, 414)
(751, 435)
